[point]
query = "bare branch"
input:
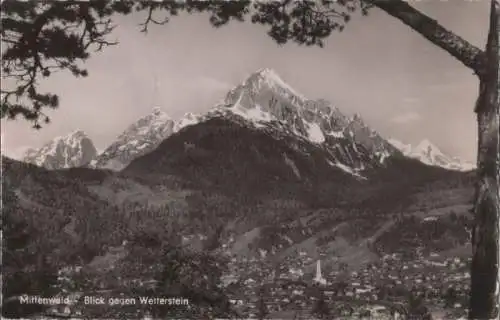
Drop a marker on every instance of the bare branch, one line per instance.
(150, 19)
(471, 56)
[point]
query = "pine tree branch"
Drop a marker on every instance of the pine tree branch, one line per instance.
(471, 56)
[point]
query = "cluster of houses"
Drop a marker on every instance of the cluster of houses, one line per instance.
(379, 290)
(382, 287)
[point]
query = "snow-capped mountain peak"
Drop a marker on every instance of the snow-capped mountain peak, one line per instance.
(271, 78)
(157, 117)
(72, 150)
(139, 138)
(266, 101)
(428, 149)
(430, 154)
(159, 114)
(78, 133)
(263, 81)
(357, 118)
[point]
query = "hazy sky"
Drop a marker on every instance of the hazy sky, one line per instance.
(402, 85)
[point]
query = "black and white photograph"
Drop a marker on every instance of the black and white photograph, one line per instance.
(293, 159)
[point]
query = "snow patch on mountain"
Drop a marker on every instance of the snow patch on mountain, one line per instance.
(189, 119)
(383, 156)
(255, 114)
(336, 134)
(292, 165)
(314, 133)
(346, 169)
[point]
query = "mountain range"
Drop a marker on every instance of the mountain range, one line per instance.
(265, 102)
(266, 170)
(267, 178)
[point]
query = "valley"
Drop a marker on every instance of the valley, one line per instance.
(233, 210)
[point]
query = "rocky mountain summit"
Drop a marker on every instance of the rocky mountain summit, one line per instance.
(73, 150)
(267, 102)
(428, 153)
(139, 138)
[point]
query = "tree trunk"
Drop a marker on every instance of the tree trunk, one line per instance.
(485, 281)
(430, 29)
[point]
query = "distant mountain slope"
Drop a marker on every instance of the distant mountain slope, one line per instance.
(232, 156)
(73, 150)
(428, 153)
(139, 138)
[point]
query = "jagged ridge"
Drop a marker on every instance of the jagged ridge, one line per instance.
(428, 153)
(266, 102)
(73, 150)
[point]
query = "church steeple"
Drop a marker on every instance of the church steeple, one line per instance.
(318, 269)
(319, 277)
